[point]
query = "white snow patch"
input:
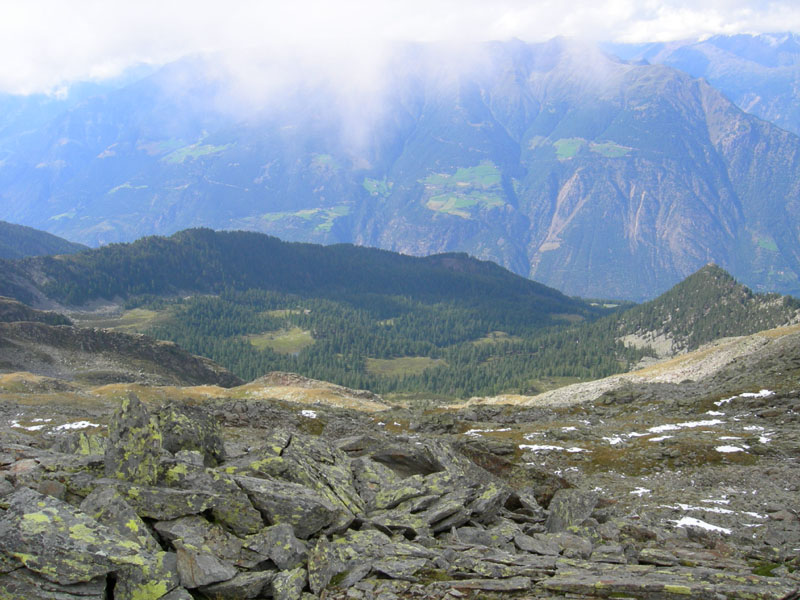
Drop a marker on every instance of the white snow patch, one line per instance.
(753, 428)
(692, 522)
(660, 438)
(381, 424)
(546, 448)
(533, 434)
(76, 425)
(713, 501)
(613, 440)
(569, 429)
(754, 515)
(41, 420)
(729, 449)
(729, 437)
(760, 394)
(715, 413)
(764, 440)
(309, 414)
(685, 425)
(640, 491)
(478, 432)
(711, 509)
(16, 424)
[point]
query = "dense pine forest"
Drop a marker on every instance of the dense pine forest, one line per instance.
(458, 351)
(444, 326)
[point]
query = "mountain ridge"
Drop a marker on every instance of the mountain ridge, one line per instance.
(560, 162)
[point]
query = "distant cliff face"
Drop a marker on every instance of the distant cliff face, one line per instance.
(598, 177)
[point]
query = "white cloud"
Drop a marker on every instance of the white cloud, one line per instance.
(53, 42)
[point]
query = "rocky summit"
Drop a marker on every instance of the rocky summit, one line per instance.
(677, 491)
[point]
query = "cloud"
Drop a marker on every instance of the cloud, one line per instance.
(55, 42)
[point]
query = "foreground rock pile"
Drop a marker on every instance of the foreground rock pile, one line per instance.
(162, 507)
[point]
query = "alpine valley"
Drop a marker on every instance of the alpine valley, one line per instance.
(598, 176)
(131, 469)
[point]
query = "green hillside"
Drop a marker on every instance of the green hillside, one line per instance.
(17, 241)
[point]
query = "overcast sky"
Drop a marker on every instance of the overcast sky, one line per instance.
(49, 43)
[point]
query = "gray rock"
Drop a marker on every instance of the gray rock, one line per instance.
(243, 585)
(323, 564)
(107, 506)
(199, 532)
(66, 546)
(281, 502)
(570, 507)
(197, 566)
(186, 427)
(230, 506)
(134, 444)
(23, 584)
(279, 544)
(289, 585)
(537, 545)
(160, 503)
(177, 594)
(511, 584)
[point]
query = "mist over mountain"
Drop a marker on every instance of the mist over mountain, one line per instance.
(597, 176)
(759, 73)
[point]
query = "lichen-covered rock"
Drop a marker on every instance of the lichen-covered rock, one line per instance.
(230, 506)
(645, 581)
(134, 444)
(197, 566)
(24, 584)
(162, 503)
(281, 502)
(148, 581)
(66, 546)
(323, 564)
(199, 532)
(570, 507)
(107, 506)
(244, 585)
(186, 427)
(289, 585)
(279, 544)
(82, 443)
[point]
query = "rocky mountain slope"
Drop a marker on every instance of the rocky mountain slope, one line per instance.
(663, 491)
(707, 305)
(554, 159)
(47, 344)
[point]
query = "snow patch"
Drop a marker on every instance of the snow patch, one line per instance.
(613, 440)
(640, 491)
(729, 449)
(309, 414)
(75, 425)
(546, 448)
(660, 438)
(692, 522)
(478, 432)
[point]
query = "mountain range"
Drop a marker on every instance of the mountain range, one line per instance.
(598, 176)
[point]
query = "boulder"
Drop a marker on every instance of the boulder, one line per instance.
(281, 502)
(185, 427)
(570, 507)
(134, 444)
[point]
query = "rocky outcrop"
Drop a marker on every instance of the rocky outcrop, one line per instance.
(103, 356)
(359, 517)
